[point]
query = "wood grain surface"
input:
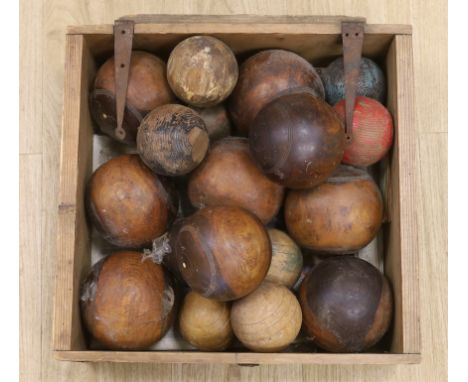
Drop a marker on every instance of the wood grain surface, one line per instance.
(42, 50)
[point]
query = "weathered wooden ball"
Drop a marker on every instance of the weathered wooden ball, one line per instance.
(127, 303)
(147, 89)
(216, 121)
(262, 77)
(129, 204)
(286, 259)
(346, 303)
(372, 132)
(268, 319)
(205, 323)
(371, 81)
(339, 216)
(297, 139)
(229, 176)
(202, 71)
(172, 140)
(222, 252)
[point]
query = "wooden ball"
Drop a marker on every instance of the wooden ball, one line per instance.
(262, 77)
(147, 89)
(371, 82)
(229, 176)
(222, 252)
(128, 204)
(372, 132)
(341, 215)
(286, 259)
(205, 323)
(346, 304)
(298, 140)
(172, 140)
(202, 71)
(216, 121)
(268, 319)
(127, 303)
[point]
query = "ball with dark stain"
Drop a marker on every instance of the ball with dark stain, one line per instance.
(339, 216)
(172, 140)
(202, 71)
(262, 77)
(372, 132)
(129, 204)
(297, 139)
(229, 176)
(222, 252)
(147, 89)
(127, 303)
(216, 121)
(205, 323)
(371, 82)
(346, 304)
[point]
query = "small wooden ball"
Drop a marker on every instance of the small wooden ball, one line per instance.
(339, 216)
(172, 140)
(222, 252)
(202, 71)
(372, 132)
(297, 139)
(286, 259)
(371, 82)
(262, 77)
(127, 303)
(268, 319)
(147, 89)
(229, 176)
(205, 323)
(129, 204)
(346, 304)
(216, 121)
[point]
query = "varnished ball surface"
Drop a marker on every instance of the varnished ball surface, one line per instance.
(372, 132)
(129, 204)
(205, 323)
(262, 77)
(346, 303)
(339, 216)
(222, 252)
(371, 82)
(216, 121)
(127, 303)
(298, 140)
(202, 71)
(147, 89)
(268, 319)
(172, 140)
(229, 176)
(286, 259)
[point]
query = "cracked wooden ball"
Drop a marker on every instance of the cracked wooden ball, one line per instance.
(202, 71)
(127, 303)
(339, 216)
(346, 303)
(128, 204)
(205, 323)
(297, 140)
(172, 140)
(147, 89)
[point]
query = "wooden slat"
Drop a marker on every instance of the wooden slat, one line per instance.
(402, 264)
(239, 358)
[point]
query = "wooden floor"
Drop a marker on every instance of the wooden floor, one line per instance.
(42, 36)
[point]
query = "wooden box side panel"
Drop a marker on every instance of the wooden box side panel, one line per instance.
(402, 254)
(73, 243)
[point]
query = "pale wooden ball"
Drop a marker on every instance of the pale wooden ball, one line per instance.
(286, 259)
(268, 319)
(205, 323)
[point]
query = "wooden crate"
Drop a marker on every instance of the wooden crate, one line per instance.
(317, 39)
